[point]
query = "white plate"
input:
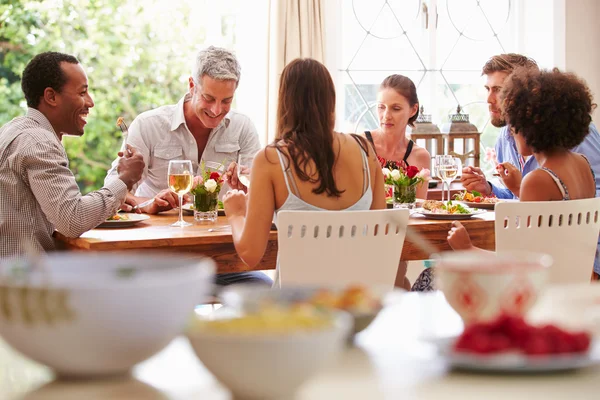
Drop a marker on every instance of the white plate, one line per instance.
(487, 206)
(133, 219)
(188, 208)
(515, 362)
(431, 215)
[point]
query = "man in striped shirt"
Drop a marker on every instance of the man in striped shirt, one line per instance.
(39, 192)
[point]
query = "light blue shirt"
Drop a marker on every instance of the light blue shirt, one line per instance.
(506, 151)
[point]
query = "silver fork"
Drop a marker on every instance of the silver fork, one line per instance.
(125, 130)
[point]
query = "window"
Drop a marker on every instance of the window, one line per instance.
(440, 44)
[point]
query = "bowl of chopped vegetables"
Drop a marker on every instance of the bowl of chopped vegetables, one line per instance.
(364, 304)
(270, 353)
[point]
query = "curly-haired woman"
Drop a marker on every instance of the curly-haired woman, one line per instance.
(549, 114)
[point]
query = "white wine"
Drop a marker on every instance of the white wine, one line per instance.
(245, 180)
(447, 173)
(180, 183)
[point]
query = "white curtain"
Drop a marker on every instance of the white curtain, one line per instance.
(295, 30)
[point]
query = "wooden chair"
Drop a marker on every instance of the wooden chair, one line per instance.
(340, 247)
(566, 230)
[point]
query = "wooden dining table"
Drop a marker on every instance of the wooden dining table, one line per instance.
(214, 239)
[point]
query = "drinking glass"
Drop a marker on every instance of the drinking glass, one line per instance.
(181, 177)
(243, 173)
(447, 168)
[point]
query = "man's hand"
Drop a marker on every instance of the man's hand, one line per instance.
(511, 177)
(231, 176)
(234, 203)
(130, 202)
(473, 178)
(131, 166)
(165, 200)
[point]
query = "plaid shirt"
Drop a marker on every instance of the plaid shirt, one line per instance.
(39, 192)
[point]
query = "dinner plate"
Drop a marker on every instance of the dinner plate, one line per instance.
(486, 206)
(432, 215)
(520, 363)
(124, 223)
(188, 208)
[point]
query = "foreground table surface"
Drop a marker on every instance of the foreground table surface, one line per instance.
(391, 361)
(156, 234)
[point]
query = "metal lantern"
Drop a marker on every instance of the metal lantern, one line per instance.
(424, 129)
(460, 130)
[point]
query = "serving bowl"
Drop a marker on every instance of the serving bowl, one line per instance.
(269, 365)
(86, 314)
(250, 299)
(481, 286)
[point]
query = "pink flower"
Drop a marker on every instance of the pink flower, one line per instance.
(198, 181)
(490, 155)
(425, 174)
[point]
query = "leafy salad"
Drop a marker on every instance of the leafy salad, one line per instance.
(475, 197)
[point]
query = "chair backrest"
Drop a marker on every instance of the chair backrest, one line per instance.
(567, 230)
(340, 247)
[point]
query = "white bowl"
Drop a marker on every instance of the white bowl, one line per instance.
(269, 366)
(248, 298)
(482, 285)
(95, 314)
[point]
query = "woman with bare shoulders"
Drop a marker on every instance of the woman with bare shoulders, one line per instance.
(398, 107)
(549, 113)
(307, 167)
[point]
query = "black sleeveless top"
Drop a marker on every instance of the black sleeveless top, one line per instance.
(391, 164)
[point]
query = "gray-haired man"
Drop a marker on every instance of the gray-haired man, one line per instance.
(200, 126)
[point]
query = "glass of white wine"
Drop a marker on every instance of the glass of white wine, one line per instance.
(447, 168)
(243, 173)
(181, 177)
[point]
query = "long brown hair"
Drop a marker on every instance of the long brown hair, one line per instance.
(305, 121)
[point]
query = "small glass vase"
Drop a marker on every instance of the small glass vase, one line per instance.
(206, 207)
(405, 196)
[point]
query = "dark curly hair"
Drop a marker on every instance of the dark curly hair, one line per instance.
(44, 71)
(551, 109)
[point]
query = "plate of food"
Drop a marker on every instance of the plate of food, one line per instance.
(511, 345)
(123, 220)
(475, 199)
(189, 208)
(436, 209)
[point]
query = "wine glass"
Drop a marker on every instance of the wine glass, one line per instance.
(181, 177)
(243, 173)
(447, 168)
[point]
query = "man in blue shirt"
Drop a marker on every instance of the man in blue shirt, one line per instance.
(496, 70)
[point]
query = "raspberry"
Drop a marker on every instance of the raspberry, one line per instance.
(537, 345)
(581, 341)
(481, 344)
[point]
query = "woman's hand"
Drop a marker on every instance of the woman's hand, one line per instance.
(511, 177)
(458, 237)
(234, 203)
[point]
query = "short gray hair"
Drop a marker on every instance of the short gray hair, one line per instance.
(218, 63)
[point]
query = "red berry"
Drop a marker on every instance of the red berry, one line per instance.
(481, 344)
(537, 345)
(581, 341)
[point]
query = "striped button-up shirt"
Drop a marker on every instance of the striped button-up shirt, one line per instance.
(39, 192)
(162, 135)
